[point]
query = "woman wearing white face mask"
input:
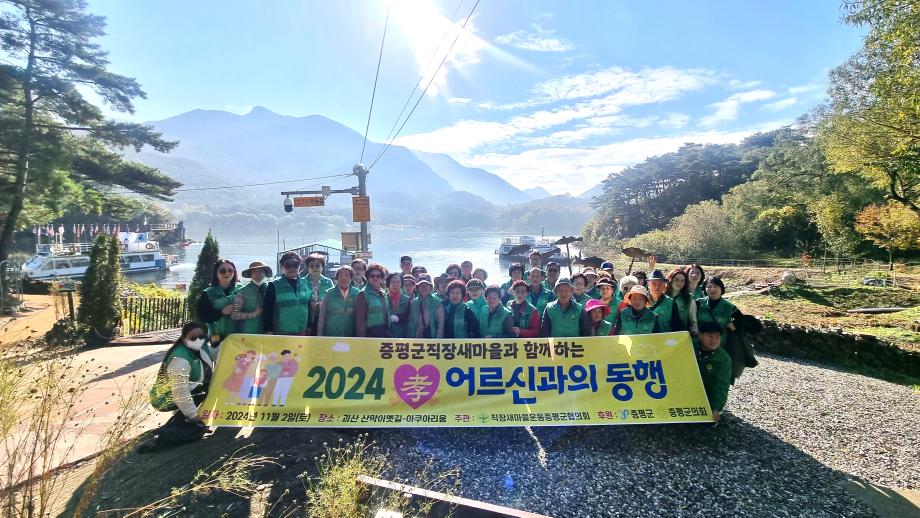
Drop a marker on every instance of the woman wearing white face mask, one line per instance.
(247, 307)
(182, 384)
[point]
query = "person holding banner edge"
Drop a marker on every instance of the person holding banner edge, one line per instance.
(715, 367)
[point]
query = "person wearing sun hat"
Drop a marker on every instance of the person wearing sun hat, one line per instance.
(426, 312)
(606, 288)
(564, 316)
(664, 306)
(636, 318)
(286, 306)
(247, 306)
(591, 288)
(598, 311)
(477, 300)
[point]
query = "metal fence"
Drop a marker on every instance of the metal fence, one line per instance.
(145, 314)
(10, 285)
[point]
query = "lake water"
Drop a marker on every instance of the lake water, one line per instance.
(433, 250)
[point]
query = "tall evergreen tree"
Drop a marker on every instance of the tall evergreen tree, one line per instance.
(50, 51)
(90, 286)
(100, 311)
(204, 270)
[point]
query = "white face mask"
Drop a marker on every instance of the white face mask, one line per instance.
(195, 344)
(258, 282)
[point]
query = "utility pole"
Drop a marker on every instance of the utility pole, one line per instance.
(360, 202)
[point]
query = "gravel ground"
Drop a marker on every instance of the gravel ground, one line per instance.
(793, 432)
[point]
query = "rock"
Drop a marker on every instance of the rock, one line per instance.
(788, 278)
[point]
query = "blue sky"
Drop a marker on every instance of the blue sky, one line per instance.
(551, 94)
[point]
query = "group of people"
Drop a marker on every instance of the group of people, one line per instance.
(369, 301)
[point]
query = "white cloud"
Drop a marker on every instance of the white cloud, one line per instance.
(459, 100)
(541, 40)
(779, 105)
(576, 169)
(674, 120)
(795, 90)
(735, 84)
(729, 109)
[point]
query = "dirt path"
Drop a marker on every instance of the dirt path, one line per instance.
(35, 319)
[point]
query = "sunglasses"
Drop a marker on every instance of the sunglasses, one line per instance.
(224, 271)
(291, 265)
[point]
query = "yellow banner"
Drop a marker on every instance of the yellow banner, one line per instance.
(288, 381)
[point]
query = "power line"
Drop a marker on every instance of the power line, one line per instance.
(433, 76)
(264, 183)
(376, 77)
(422, 75)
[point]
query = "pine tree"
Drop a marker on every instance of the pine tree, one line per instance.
(110, 294)
(89, 288)
(204, 270)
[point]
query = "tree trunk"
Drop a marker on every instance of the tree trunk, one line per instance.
(890, 261)
(24, 151)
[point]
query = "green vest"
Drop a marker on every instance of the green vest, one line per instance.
(603, 329)
(225, 325)
(547, 286)
(492, 323)
(340, 312)
(631, 324)
(319, 288)
(594, 293)
(477, 305)
(612, 316)
(581, 299)
(378, 308)
(617, 298)
(399, 329)
(252, 300)
(716, 372)
(540, 300)
(458, 320)
(699, 292)
(565, 323)
(161, 394)
(522, 319)
(721, 314)
(292, 307)
(683, 309)
(664, 308)
(415, 313)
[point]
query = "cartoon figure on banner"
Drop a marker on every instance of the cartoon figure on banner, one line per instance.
(416, 386)
(258, 383)
(234, 381)
(272, 371)
(287, 370)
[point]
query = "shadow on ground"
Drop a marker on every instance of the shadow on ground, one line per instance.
(732, 469)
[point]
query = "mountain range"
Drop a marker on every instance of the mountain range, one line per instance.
(221, 149)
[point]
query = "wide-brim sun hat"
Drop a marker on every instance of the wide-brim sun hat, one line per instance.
(593, 304)
(638, 289)
(255, 265)
(565, 281)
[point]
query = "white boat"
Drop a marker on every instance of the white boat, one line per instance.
(518, 248)
(57, 260)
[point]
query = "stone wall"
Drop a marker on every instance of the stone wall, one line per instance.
(835, 346)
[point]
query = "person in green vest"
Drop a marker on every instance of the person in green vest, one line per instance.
(714, 308)
(607, 289)
(636, 318)
(539, 296)
(215, 306)
(495, 320)
(563, 316)
(579, 282)
(516, 272)
(686, 306)
(663, 305)
(359, 270)
(535, 260)
(398, 302)
(466, 271)
(481, 274)
(181, 385)
(715, 367)
(597, 312)
(247, 306)
(591, 288)
(319, 284)
(405, 265)
(552, 275)
(337, 312)
(525, 317)
(286, 306)
(476, 302)
(372, 310)
(426, 313)
(459, 319)
(696, 281)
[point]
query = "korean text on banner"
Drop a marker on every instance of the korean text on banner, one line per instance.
(287, 381)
